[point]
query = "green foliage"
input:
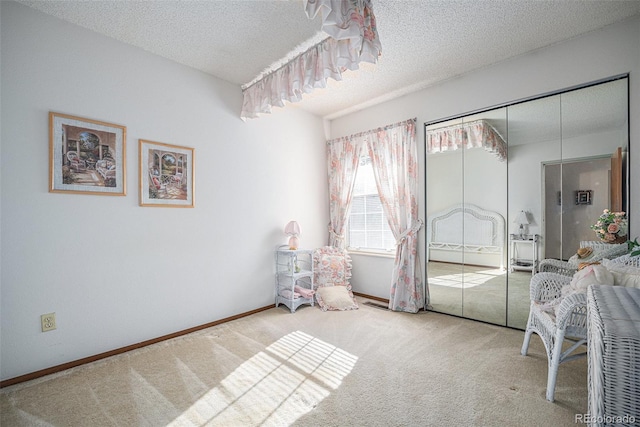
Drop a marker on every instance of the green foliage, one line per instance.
(634, 247)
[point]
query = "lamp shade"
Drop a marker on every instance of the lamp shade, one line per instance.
(522, 219)
(292, 228)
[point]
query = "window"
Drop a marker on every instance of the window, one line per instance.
(368, 228)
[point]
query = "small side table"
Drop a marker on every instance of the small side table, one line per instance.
(526, 264)
(293, 268)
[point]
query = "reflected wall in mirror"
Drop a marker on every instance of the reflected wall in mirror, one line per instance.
(535, 131)
(594, 132)
(566, 161)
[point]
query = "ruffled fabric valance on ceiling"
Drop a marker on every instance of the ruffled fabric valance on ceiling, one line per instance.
(476, 134)
(349, 20)
(353, 38)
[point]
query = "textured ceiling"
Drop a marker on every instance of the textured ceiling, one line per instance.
(423, 41)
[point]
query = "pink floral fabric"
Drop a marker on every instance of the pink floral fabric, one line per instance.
(349, 20)
(477, 134)
(343, 155)
(332, 267)
(332, 271)
(394, 157)
(353, 38)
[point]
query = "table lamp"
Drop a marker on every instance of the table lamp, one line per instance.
(522, 222)
(292, 229)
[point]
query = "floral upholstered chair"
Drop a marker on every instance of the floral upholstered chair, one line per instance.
(332, 271)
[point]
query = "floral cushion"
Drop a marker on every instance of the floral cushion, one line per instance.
(332, 268)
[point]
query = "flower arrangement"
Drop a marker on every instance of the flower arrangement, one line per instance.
(612, 227)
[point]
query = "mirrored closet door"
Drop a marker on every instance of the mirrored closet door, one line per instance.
(510, 186)
(535, 131)
(466, 166)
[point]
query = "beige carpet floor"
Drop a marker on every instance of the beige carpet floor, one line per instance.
(368, 367)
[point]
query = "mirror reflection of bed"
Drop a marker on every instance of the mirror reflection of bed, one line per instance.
(466, 261)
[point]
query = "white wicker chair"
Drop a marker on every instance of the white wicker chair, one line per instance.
(570, 323)
(600, 252)
(628, 260)
(557, 266)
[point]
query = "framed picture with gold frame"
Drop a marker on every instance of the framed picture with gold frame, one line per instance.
(167, 175)
(86, 156)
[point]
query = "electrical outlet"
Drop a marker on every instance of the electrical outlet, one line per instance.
(48, 322)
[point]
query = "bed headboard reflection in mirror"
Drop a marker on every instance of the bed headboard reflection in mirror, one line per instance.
(481, 239)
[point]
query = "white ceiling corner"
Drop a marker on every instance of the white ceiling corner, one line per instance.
(423, 41)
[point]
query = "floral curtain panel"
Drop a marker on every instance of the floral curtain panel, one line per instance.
(353, 38)
(394, 155)
(477, 134)
(343, 155)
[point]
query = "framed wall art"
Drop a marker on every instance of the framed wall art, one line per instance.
(86, 156)
(584, 197)
(166, 175)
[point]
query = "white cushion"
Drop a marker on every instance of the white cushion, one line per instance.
(335, 298)
(623, 275)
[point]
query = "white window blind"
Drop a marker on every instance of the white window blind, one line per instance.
(368, 227)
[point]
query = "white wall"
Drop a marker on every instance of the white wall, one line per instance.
(115, 273)
(597, 55)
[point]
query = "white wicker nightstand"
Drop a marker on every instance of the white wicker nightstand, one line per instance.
(293, 268)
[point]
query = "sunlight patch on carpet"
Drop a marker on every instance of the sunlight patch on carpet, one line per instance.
(275, 387)
(469, 280)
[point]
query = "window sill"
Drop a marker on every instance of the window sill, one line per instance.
(371, 252)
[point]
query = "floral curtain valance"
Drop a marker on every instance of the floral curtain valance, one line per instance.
(476, 134)
(353, 38)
